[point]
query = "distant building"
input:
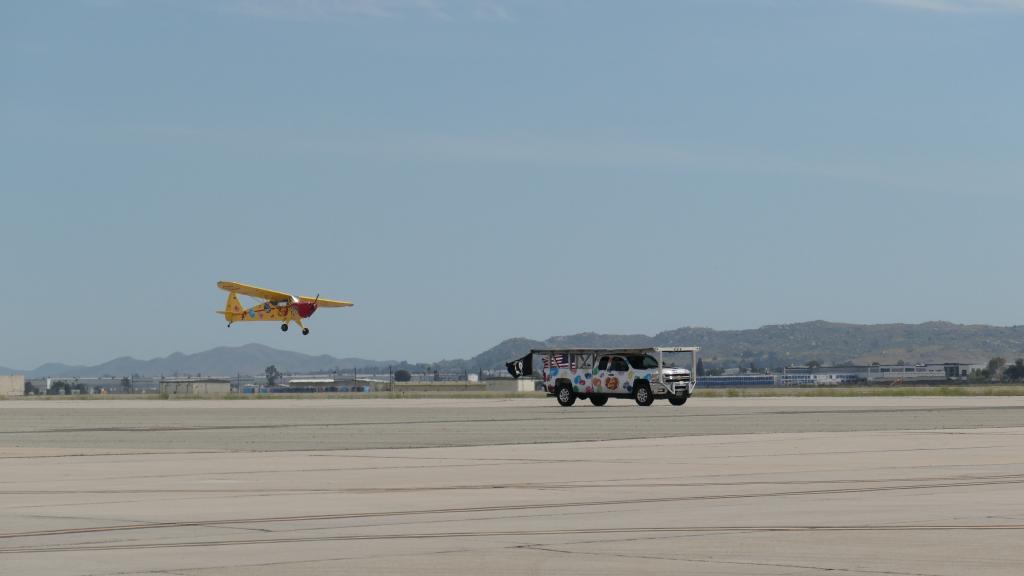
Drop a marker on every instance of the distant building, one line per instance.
(12, 385)
(878, 372)
(90, 385)
(313, 384)
(195, 386)
(842, 375)
(944, 371)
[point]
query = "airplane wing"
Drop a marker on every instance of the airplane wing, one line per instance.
(325, 302)
(255, 292)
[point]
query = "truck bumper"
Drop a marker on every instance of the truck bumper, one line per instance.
(673, 389)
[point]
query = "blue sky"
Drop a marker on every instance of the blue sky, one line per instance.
(468, 171)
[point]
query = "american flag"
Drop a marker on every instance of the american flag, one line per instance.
(559, 361)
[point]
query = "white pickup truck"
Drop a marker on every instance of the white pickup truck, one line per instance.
(643, 374)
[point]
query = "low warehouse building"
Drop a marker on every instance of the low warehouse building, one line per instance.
(195, 386)
(13, 385)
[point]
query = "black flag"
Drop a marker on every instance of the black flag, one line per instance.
(521, 367)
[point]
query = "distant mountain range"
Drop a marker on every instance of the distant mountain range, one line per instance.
(829, 343)
(765, 347)
(223, 361)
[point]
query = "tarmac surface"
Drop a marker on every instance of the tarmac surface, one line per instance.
(722, 486)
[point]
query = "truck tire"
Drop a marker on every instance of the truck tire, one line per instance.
(565, 395)
(598, 400)
(678, 400)
(642, 393)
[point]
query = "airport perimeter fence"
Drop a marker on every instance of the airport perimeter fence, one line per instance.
(819, 381)
(765, 380)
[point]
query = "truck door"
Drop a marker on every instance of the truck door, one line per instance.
(599, 374)
(616, 379)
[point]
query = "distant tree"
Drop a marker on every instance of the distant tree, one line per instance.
(272, 375)
(126, 385)
(1015, 372)
(814, 364)
(994, 366)
(700, 367)
(403, 376)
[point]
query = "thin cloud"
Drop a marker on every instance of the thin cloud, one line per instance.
(317, 10)
(956, 6)
(493, 11)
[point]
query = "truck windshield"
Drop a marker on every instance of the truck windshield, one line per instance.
(642, 362)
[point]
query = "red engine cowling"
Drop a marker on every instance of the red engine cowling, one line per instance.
(305, 309)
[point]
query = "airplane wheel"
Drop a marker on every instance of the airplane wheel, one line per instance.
(284, 327)
(305, 331)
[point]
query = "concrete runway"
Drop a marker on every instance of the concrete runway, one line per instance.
(737, 486)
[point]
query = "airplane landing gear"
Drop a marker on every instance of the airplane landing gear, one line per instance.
(284, 327)
(305, 331)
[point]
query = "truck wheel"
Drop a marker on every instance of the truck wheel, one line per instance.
(644, 396)
(565, 395)
(678, 400)
(598, 400)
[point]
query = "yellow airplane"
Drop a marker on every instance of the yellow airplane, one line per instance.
(277, 306)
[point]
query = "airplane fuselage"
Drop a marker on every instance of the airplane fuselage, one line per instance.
(276, 306)
(273, 311)
(281, 311)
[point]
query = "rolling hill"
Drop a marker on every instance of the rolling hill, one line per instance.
(766, 347)
(786, 344)
(222, 361)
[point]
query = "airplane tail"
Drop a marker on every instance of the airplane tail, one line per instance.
(233, 309)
